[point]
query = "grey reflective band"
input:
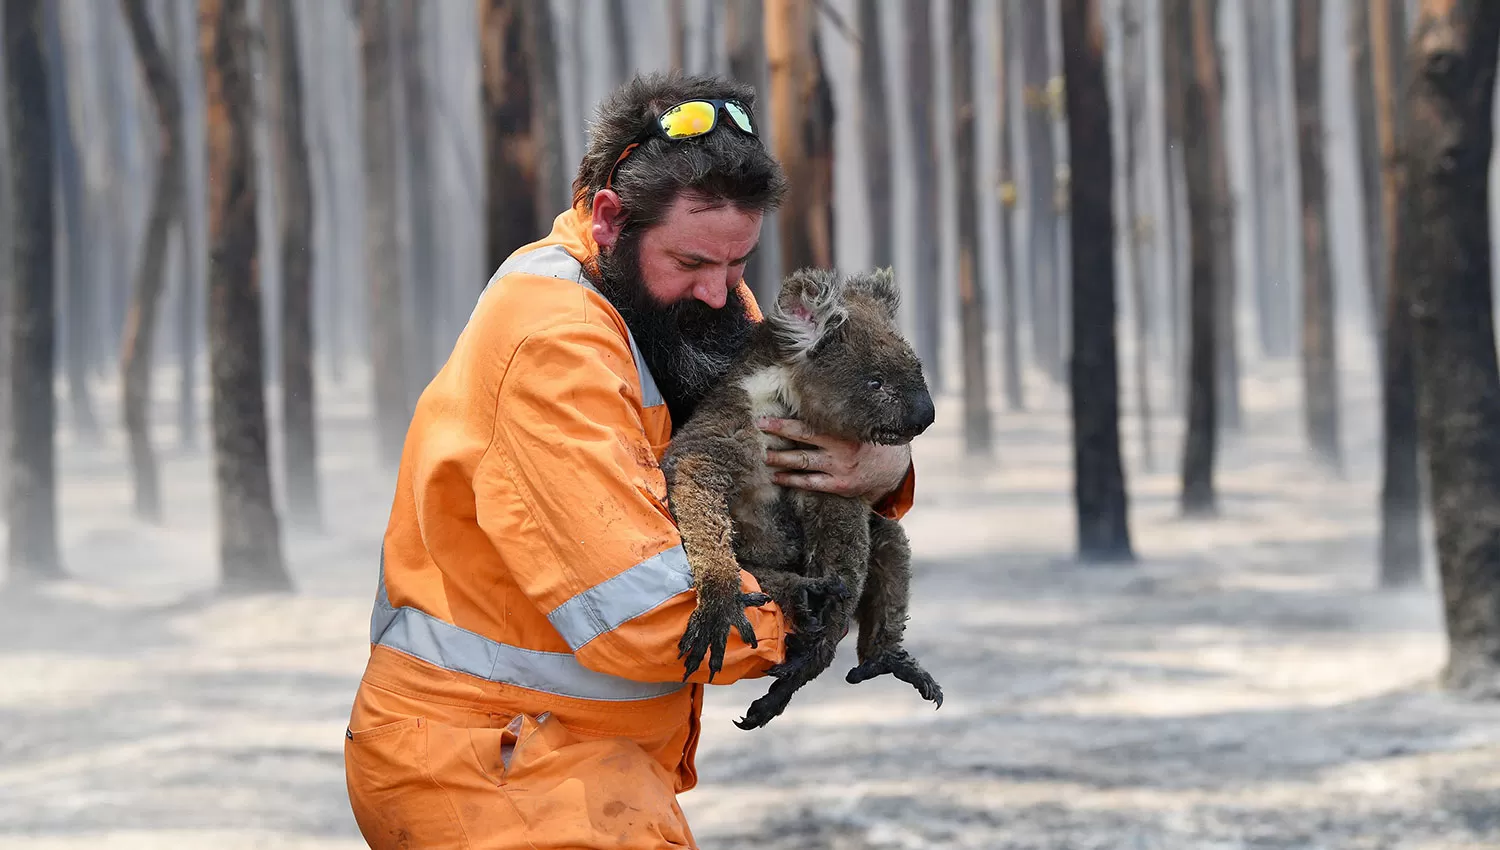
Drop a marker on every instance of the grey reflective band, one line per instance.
(555, 261)
(609, 604)
(445, 645)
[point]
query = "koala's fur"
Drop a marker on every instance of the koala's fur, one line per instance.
(830, 354)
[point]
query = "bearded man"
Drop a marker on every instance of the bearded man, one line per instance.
(524, 687)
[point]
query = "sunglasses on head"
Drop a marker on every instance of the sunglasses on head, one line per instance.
(687, 120)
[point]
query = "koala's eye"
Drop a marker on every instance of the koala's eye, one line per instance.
(874, 383)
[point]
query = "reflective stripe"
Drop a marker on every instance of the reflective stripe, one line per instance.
(445, 645)
(555, 261)
(608, 605)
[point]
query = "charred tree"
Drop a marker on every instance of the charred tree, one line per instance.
(1006, 48)
(1401, 488)
(1368, 135)
(1319, 359)
(921, 117)
(802, 123)
(971, 309)
(511, 138)
(1200, 444)
(421, 215)
(1447, 118)
(623, 62)
(388, 345)
(298, 388)
(249, 534)
(194, 262)
(1138, 238)
(1041, 182)
(150, 275)
(1271, 177)
(554, 183)
(1174, 35)
(875, 132)
(677, 33)
(1208, 67)
(32, 499)
(1093, 372)
(745, 51)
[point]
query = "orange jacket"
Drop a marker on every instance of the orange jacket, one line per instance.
(530, 561)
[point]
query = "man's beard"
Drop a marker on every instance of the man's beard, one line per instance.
(688, 346)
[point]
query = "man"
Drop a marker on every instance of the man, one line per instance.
(524, 688)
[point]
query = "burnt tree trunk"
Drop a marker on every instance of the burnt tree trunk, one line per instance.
(1138, 237)
(1199, 111)
(554, 184)
(875, 130)
(150, 275)
(421, 212)
(388, 345)
(250, 556)
(1093, 372)
(191, 230)
(1449, 138)
(1209, 69)
(677, 33)
(971, 311)
(1041, 181)
(745, 50)
(920, 117)
(1320, 384)
(1273, 302)
(1401, 487)
(1007, 48)
(1174, 35)
(1369, 165)
(802, 115)
(622, 58)
(32, 499)
(510, 136)
(298, 389)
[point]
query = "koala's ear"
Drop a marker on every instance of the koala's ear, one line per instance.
(880, 284)
(811, 304)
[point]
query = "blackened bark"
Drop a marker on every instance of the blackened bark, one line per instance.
(421, 213)
(32, 500)
(1200, 444)
(1139, 238)
(1209, 68)
(802, 114)
(875, 132)
(677, 33)
(921, 116)
(1447, 116)
(511, 212)
(189, 315)
(150, 275)
(554, 184)
(1041, 183)
(745, 48)
(298, 389)
(250, 556)
(971, 311)
(383, 268)
(1093, 371)
(1174, 21)
(1401, 488)
(1008, 47)
(1320, 385)
(1369, 165)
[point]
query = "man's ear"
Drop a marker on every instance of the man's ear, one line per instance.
(810, 306)
(608, 216)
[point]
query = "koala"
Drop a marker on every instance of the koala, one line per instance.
(830, 354)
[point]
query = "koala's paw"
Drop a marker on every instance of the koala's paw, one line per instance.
(811, 603)
(899, 663)
(763, 710)
(708, 630)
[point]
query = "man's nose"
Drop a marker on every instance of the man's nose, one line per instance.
(713, 292)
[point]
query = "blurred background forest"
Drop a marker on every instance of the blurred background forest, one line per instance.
(1146, 247)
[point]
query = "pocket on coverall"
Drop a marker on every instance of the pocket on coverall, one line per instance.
(396, 802)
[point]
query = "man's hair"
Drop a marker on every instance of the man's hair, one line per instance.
(725, 166)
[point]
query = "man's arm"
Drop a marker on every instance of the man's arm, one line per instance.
(569, 441)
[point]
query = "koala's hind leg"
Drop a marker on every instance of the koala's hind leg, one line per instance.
(699, 488)
(882, 613)
(838, 545)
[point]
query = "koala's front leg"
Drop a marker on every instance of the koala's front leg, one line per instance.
(838, 545)
(698, 491)
(882, 613)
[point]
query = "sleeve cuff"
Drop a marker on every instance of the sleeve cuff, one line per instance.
(896, 503)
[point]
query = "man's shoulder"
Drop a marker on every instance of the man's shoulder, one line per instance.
(528, 303)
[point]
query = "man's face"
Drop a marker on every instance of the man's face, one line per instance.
(674, 285)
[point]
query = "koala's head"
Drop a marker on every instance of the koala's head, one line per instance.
(854, 375)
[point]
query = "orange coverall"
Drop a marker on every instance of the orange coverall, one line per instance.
(523, 688)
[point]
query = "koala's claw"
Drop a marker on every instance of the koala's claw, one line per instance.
(708, 631)
(767, 707)
(900, 664)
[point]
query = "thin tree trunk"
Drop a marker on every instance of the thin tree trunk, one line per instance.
(677, 33)
(1199, 110)
(745, 47)
(510, 136)
(150, 276)
(921, 116)
(194, 260)
(1448, 115)
(554, 184)
(1007, 48)
(618, 38)
(875, 130)
(388, 344)
(1174, 18)
(1227, 382)
(298, 389)
(1369, 166)
(1138, 237)
(1093, 371)
(1401, 489)
(1273, 302)
(802, 115)
(971, 312)
(1041, 215)
(422, 212)
(249, 534)
(32, 501)
(1319, 351)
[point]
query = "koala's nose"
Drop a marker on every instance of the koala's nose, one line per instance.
(920, 412)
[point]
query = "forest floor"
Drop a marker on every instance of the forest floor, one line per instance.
(1244, 685)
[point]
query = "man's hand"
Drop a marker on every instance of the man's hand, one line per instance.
(864, 471)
